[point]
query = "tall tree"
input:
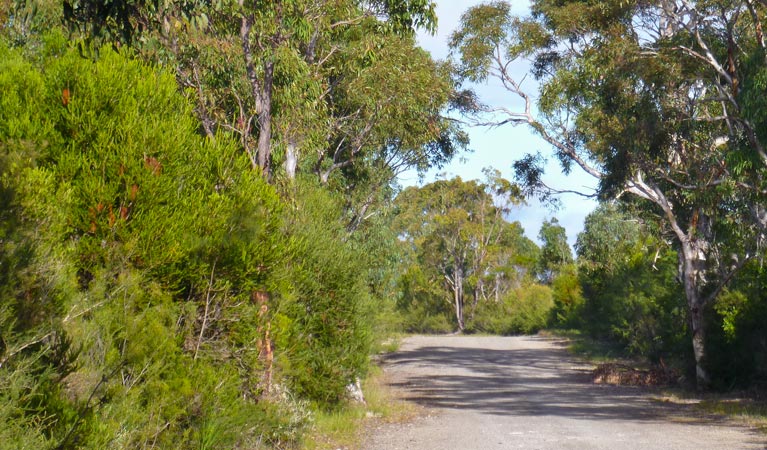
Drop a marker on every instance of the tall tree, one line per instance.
(647, 98)
(297, 77)
(555, 252)
(454, 226)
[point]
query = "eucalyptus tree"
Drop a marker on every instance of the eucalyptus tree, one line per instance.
(659, 100)
(456, 230)
(306, 85)
(555, 252)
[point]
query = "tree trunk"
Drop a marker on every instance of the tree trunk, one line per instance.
(458, 291)
(475, 299)
(264, 149)
(262, 94)
(692, 269)
(693, 263)
(291, 160)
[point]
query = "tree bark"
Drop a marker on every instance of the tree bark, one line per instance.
(458, 294)
(262, 93)
(264, 101)
(693, 265)
(475, 292)
(291, 159)
(692, 269)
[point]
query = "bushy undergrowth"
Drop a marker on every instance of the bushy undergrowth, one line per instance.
(738, 326)
(525, 310)
(633, 299)
(422, 305)
(638, 306)
(323, 321)
(156, 291)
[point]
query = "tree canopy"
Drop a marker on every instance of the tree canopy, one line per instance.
(193, 212)
(647, 98)
(461, 242)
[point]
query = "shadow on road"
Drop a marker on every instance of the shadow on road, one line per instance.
(540, 381)
(529, 392)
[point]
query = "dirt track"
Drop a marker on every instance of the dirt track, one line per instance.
(529, 393)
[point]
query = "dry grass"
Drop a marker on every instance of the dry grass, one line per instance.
(744, 408)
(624, 375)
(344, 429)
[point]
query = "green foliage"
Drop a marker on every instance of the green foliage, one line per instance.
(568, 297)
(156, 291)
(458, 241)
(526, 310)
(627, 100)
(738, 326)
(630, 292)
(555, 252)
(730, 307)
(147, 267)
(422, 303)
(315, 86)
(483, 29)
(24, 23)
(321, 326)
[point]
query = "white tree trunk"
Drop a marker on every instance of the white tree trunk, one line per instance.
(458, 294)
(693, 265)
(291, 160)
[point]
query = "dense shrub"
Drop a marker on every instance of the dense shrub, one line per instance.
(568, 298)
(737, 347)
(422, 304)
(322, 321)
(146, 270)
(631, 294)
(525, 310)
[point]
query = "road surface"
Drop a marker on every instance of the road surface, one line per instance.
(487, 393)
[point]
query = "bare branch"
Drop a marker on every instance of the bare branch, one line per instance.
(207, 122)
(23, 347)
(205, 314)
(568, 191)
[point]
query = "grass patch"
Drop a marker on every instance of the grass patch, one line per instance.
(343, 429)
(334, 430)
(389, 345)
(747, 411)
(746, 408)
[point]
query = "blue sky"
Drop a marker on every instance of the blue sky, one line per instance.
(500, 147)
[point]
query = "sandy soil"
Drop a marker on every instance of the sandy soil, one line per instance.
(529, 393)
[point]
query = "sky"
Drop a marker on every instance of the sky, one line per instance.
(500, 147)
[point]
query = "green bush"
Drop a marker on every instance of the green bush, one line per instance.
(630, 292)
(737, 326)
(134, 249)
(420, 320)
(637, 306)
(525, 310)
(322, 323)
(568, 298)
(422, 304)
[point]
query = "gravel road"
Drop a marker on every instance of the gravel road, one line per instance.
(529, 393)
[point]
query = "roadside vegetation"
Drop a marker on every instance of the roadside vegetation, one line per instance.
(195, 247)
(203, 242)
(346, 428)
